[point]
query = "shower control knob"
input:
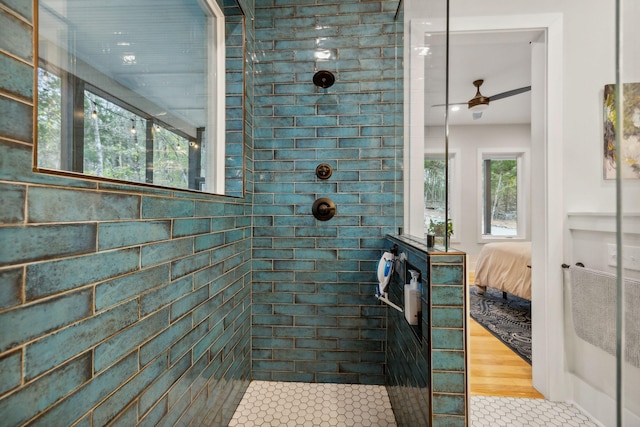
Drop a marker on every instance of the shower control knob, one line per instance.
(324, 171)
(324, 79)
(323, 209)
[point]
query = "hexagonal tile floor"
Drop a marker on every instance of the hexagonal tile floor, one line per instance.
(278, 404)
(492, 411)
(270, 403)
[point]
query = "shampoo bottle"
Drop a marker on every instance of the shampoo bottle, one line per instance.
(412, 304)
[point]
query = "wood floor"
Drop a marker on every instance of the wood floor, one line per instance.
(496, 370)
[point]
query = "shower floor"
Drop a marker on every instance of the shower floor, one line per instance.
(275, 404)
(270, 403)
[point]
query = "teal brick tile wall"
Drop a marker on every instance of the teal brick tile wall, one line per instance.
(426, 372)
(235, 115)
(408, 376)
(118, 303)
(447, 284)
(315, 317)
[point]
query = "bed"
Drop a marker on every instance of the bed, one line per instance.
(505, 266)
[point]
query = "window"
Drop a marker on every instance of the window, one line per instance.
(127, 97)
(435, 190)
(503, 195)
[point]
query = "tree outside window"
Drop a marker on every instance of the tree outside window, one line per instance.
(500, 197)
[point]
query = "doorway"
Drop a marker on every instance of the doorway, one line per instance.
(546, 65)
(494, 146)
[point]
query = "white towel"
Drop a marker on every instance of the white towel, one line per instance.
(593, 309)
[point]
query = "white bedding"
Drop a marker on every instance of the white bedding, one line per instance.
(505, 266)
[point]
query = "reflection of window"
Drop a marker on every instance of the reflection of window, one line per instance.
(435, 189)
(170, 158)
(125, 97)
(503, 195)
(49, 119)
(114, 142)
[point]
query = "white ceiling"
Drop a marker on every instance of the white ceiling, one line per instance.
(502, 59)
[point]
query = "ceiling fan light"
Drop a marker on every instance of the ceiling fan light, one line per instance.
(479, 106)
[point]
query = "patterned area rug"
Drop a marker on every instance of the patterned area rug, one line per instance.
(508, 320)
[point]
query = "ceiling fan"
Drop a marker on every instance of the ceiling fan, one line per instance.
(479, 102)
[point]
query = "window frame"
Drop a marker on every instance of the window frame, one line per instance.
(522, 157)
(214, 169)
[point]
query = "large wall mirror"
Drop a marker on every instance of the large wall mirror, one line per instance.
(147, 92)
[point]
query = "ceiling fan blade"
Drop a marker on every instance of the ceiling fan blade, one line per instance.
(510, 93)
(450, 105)
(477, 115)
(494, 97)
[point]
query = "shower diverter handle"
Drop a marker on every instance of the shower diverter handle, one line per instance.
(323, 209)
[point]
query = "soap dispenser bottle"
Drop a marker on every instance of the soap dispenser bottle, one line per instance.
(412, 304)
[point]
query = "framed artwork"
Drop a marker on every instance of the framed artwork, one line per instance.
(630, 140)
